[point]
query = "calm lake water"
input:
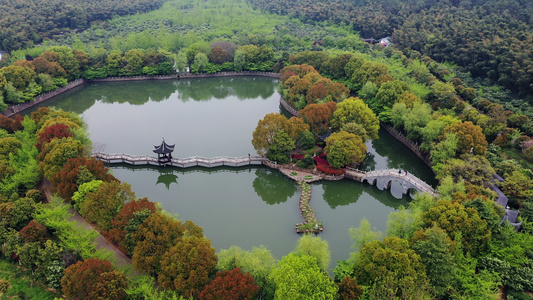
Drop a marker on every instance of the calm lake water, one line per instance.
(211, 117)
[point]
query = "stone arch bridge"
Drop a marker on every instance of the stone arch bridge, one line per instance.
(408, 181)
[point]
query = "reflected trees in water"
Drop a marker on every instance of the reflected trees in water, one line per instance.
(272, 186)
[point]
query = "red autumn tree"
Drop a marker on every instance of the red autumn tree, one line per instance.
(34, 232)
(81, 277)
(118, 231)
(55, 131)
(53, 69)
(219, 56)
(77, 171)
(11, 124)
(229, 285)
(349, 289)
(318, 116)
(188, 266)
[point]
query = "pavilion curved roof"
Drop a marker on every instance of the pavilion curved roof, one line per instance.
(164, 148)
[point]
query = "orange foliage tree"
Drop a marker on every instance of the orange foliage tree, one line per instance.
(318, 116)
(471, 137)
(188, 266)
(154, 237)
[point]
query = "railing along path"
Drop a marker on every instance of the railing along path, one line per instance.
(195, 161)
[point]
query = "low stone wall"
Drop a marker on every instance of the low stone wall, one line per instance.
(288, 107)
(404, 140)
(135, 78)
(225, 74)
(15, 109)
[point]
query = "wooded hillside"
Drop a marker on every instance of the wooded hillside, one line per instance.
(492, 39)
(24, 22)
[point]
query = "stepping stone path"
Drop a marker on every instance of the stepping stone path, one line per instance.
(311, 223)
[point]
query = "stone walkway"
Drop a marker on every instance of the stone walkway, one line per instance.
(119, 258)
(299, 176)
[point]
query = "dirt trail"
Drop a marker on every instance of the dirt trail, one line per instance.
(121, 260)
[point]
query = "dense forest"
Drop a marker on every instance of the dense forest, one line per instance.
(491, 39)
(450, 246)
(24, 23)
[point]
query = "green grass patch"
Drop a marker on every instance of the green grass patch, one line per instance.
(21, 284)
(311, 151)
(308, 177)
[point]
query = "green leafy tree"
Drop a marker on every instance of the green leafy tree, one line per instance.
(343, 148)
(57, 153)
(200, 63)
(392, 266)
(474, 169)
(114, 63)
(300, 277)
(362, 235)
(518, 187)
(281, 147)
(79, 196)
(104, 204)
(67, 59)
(239, 60)
(436, 253)
(270, 125)
(133, 62)
(19, 76)
(355, 110)
(259, 262)
(390, 92)
(455, 218)
(316, 247)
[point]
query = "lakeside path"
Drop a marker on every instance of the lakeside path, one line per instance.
(120, 259)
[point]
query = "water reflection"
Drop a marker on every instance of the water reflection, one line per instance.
(369, 164)
(167, 177)
(336, 193)
(272, 186)
(222, 87)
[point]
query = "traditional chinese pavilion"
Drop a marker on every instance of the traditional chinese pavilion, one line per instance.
(164, 152)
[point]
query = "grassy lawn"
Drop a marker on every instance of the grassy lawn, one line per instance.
(21, 284)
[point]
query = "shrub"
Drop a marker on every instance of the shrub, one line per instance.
(323, 166)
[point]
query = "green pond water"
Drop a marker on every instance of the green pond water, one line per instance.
(247, 206)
